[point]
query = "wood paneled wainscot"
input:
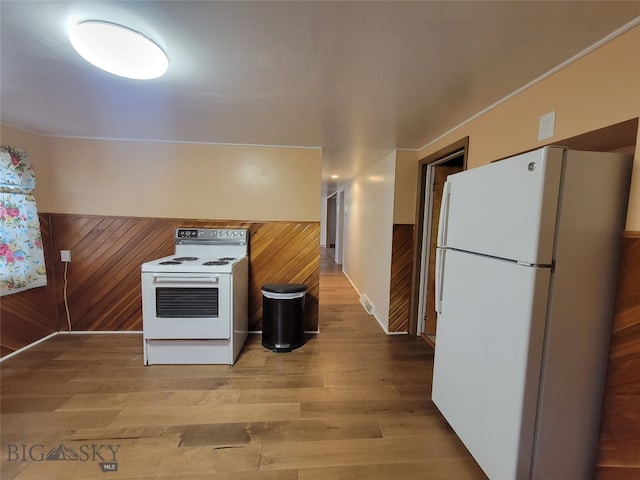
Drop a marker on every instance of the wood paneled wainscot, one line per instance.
(28, 316)
(104, 292)
(619, 451)
(401, 269)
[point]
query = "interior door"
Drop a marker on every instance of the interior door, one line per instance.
(453, 156)
(440, 173)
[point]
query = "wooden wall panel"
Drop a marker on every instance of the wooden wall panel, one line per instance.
(104, 291)
(28, 316)
(285, 253)
(619, 451)
(103, 288)
(401, 270)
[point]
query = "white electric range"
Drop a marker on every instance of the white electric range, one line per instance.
(195, 302)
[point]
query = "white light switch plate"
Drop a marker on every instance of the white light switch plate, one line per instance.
(547, 125)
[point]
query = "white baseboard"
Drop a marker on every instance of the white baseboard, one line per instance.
(27, 347)
(101, 332)
(66, 332)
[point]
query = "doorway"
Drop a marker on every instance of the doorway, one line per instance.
(335, 225)
(339, 226)
(433, 171)
(331, 221)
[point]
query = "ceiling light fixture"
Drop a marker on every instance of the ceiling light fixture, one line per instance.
(118, 50)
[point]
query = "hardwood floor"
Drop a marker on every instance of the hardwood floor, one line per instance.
(352, 403)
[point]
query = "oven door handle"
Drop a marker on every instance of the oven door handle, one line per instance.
(171, 279)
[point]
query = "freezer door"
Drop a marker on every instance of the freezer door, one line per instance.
(506, 209)
(488, 355)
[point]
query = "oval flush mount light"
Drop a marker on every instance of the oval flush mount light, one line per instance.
(118, 50)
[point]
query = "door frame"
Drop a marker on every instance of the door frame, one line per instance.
(339, 226)
(331, 221)
(424, 207)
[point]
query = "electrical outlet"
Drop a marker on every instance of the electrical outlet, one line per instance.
(65, 256)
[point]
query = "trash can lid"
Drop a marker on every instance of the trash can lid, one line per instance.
(284, 288)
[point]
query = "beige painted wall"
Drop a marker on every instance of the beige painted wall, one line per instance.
(368, 234)
(600, 89)
(404, 200)
(375, 200)
(177, 180)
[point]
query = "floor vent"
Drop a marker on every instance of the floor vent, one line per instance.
(366, 303)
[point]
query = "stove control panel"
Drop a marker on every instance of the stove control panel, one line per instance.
(186, 233)
(235, 235)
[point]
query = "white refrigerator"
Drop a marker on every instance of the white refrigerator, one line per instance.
(527, 260)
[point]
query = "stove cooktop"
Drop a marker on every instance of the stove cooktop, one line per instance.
(183, 264)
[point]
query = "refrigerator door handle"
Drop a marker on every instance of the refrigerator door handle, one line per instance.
(440, 258)
(443, 220)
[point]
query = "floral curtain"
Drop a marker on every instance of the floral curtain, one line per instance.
(21, 254)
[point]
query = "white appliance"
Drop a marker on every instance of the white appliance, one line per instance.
(526, 277)
(195, 303)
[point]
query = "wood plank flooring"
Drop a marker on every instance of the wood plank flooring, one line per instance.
(352, 403)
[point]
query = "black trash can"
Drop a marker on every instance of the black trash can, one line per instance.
(283, 316)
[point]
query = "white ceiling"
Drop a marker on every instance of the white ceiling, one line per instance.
(355, 78)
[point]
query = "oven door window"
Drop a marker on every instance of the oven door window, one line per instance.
(186, 302)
